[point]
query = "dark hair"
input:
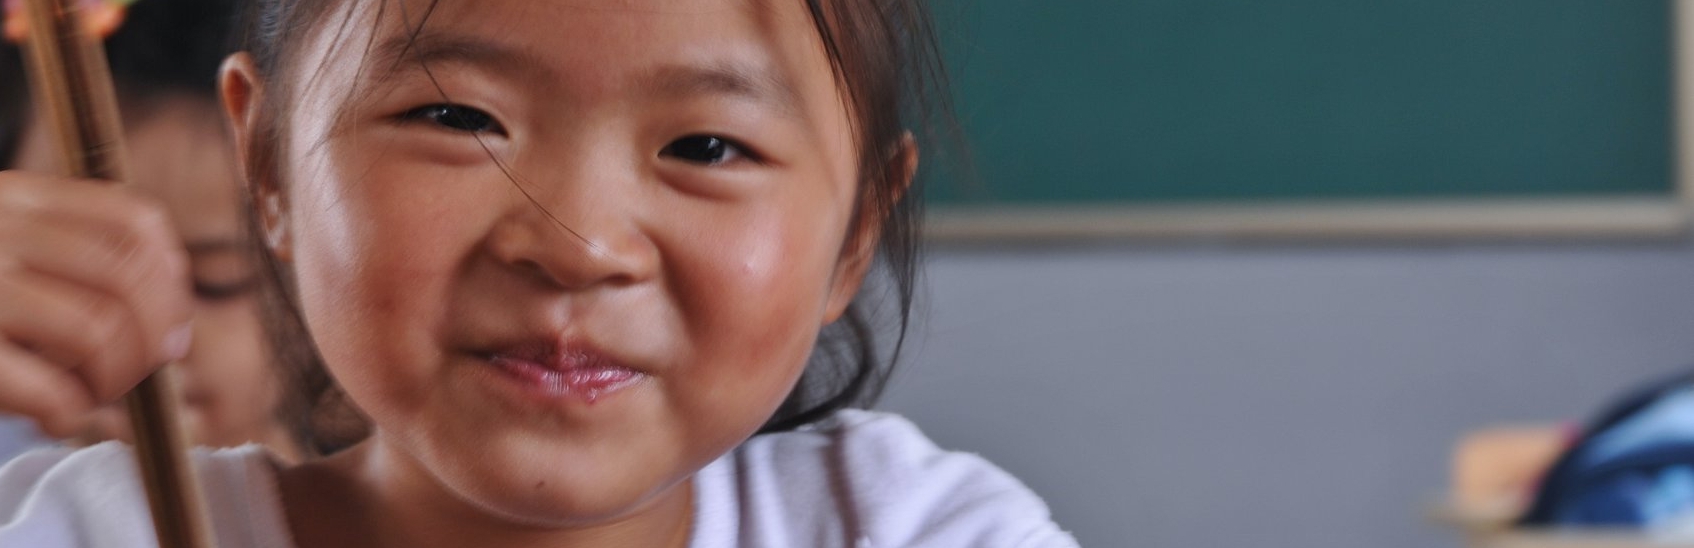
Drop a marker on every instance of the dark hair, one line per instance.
(14, 94)
(164, 48)
(884, 57)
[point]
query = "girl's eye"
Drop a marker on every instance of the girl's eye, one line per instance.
(455, 117)
(705, 149)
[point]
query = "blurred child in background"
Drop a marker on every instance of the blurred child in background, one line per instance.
(164, 56)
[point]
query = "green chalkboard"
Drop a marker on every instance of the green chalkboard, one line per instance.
(1201, 101)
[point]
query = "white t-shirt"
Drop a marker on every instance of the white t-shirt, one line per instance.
(858, 479)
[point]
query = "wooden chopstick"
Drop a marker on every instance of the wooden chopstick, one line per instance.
(73, 88)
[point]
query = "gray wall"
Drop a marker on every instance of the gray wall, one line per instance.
(1275, 397)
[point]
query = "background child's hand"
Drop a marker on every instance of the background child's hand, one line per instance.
(94, 295)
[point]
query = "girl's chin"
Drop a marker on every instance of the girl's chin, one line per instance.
(561, 509)
(546, 484)
(548, 471)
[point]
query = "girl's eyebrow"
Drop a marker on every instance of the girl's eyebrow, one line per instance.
(398, 53)
(757, 82)
(750, 81)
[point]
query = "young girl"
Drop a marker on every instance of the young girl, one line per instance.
(165, 57)
(588, 266)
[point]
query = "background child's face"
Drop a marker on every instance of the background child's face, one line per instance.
(180, 153)
(183, 155)
(425, 272)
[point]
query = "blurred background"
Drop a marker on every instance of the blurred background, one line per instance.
(1240, 273)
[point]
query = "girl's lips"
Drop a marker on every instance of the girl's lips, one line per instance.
(575, 373)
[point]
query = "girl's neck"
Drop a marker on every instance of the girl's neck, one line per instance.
(362, 498)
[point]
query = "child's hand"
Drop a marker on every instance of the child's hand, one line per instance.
(95, 294)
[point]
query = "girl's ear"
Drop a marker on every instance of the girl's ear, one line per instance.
(859, 254)
(243, 95)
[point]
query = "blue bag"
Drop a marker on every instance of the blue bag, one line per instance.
(1634, 467)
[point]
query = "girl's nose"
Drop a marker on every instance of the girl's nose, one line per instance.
(573, 245)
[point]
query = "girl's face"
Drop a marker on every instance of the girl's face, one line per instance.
(563, 254)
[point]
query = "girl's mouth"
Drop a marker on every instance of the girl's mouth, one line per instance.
(570, 373)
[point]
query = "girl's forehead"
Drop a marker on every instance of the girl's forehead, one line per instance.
(751, 59)
(768, 43)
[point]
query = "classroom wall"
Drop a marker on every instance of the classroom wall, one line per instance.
(1299, 396)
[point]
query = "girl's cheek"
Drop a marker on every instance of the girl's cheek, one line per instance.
(758, 281)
